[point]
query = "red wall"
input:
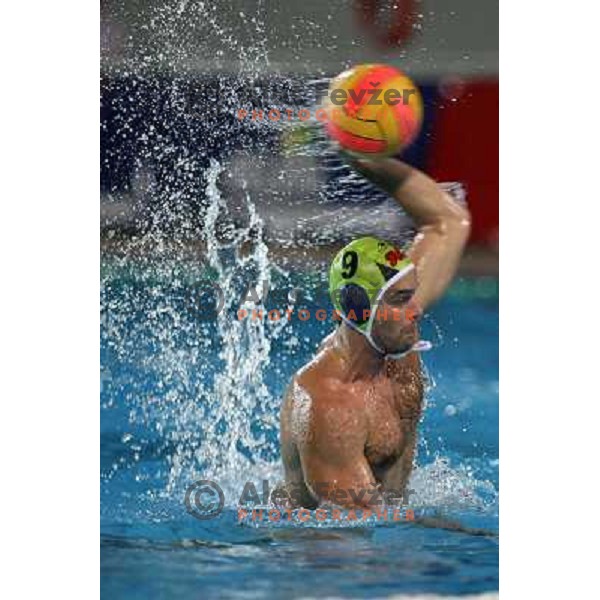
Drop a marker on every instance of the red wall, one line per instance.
(464, 147)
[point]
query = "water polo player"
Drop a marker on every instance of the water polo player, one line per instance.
(349, 417)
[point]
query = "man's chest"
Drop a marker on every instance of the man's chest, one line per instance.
(392, 411)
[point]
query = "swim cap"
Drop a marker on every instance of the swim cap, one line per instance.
(359, 275)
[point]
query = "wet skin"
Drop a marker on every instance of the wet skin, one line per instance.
(349, 418)
(370, 421)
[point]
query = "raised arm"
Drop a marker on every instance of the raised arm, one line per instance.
(443, 225)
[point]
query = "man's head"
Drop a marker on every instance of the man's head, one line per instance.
(371, 284)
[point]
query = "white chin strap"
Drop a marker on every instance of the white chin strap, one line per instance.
(420, 346)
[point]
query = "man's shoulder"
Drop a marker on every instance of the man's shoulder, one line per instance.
(318, 374)
(320, 380)
(330, 410)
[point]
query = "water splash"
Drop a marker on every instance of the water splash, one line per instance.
(192, 393)
(240, 394)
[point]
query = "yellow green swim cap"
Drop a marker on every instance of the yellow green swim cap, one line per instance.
(359, 275)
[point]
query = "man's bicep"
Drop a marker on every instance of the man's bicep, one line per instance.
(336, 470)
(436, 252)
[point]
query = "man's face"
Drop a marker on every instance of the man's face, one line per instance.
(394, 327)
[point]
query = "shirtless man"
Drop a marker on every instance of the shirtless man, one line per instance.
(349, 417)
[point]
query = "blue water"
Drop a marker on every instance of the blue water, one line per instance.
(160, 417)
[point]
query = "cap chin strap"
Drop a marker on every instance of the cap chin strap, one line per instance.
(420, 346)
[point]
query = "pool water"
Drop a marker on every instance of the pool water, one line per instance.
(185, 397)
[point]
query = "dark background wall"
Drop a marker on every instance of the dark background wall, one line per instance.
(175, 74)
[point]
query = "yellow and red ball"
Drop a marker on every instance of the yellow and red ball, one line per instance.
(373, 110)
